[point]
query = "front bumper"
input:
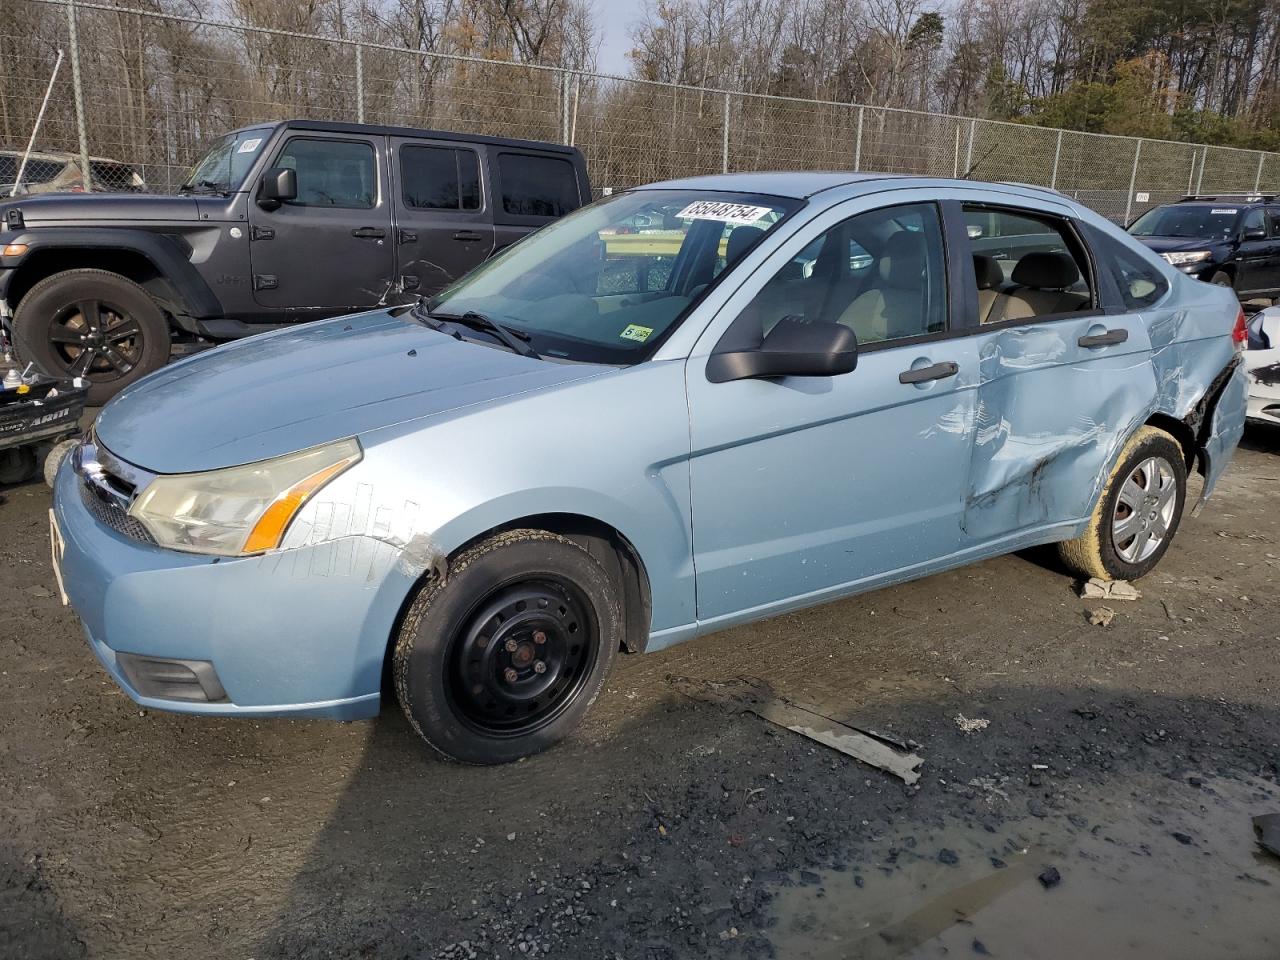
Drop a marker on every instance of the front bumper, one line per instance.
(300, 632)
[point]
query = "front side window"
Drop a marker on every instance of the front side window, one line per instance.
(1025, 265)
(881, 273)
(607, 283)
(332, 173)
(440, 178)
(1253, 221)
(537, 186)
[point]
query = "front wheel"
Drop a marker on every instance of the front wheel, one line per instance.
(92, 324)
(1138, 512)
(505, 657)
(1221, 279)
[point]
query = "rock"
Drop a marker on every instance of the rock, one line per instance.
(1049, 877)
(1182, 838)
(948, 856)
(1101, 616)
(1096, 589)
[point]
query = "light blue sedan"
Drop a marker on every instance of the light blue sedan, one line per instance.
(685, 407)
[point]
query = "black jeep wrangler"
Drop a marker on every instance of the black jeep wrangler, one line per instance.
(1230, 240)
(279, 223)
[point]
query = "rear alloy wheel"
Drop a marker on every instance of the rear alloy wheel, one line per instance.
(1138, 513)
(506, 656)
(92, 324)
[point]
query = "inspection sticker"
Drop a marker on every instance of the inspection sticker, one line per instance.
(724, 212)
(634, 331)
(250, 145)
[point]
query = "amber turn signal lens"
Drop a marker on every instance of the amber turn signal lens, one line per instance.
(14, 249)
(269, 529)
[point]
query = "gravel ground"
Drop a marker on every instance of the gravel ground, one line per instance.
(1128, 758)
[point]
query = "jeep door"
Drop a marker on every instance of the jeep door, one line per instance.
(805, 487)
(329, 249)
(443, 220)
(1258, 254)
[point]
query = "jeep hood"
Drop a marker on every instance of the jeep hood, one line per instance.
(56, 208)
(1171, 244)
(284, 391)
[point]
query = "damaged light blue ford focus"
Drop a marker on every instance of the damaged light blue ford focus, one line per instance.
(683, 407)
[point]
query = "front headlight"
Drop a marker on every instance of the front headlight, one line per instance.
(238, 510)
(1189, 256)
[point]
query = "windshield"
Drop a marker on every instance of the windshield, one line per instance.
(608, 282)
(223, 168)
(1187, 220)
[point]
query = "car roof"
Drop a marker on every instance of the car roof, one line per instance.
(378, 130)
(801, 185)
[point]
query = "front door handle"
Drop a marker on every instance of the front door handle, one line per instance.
(938, 371)
(1110, 338)
(467, 235)
(369, 233)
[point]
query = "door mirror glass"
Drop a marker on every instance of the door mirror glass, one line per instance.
(793, 348)
(280, 185)
(1253, 233)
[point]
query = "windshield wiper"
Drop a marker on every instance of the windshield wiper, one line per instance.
(517, 340)
(207, 186)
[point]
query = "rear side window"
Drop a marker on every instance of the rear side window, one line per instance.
(332, 173)
(1141, 284)
(537, 186)
(440, 178)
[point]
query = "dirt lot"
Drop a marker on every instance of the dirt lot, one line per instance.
(1130, 758)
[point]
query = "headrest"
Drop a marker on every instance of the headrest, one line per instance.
(902, 260)
(1046, 271)
(739, 239)
(988, 271)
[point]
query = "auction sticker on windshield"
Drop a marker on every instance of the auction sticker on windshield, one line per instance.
(1217, 210)
(724, 212)
(250, 145)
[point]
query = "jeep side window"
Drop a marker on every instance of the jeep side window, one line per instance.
(537, 186)
(440, 178)
(332, 173)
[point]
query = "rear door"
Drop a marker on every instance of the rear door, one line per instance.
(531, 190)
(329, 249)
(443, 222)
(1065, 372)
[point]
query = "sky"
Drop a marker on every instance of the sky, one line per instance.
(614, 18)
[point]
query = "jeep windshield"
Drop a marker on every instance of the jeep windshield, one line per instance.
(224, 167)
(1193, 221)
(607, 283)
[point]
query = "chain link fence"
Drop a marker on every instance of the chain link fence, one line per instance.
(146, 92)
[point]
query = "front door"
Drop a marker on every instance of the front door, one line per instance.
(1258, 268)
(328, 250)
(803, 487)
(444, 221)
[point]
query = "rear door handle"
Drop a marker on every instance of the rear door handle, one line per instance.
(939, 371)
(467, 235)
(1110, 338)
(364, 233)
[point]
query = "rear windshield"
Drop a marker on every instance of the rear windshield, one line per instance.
(1215, 221)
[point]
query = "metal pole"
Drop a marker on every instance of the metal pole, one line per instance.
(359, 83)
(955, 156)
(724, 140)
(968, 153)
(1191, 174)
(78, 91)
(573, 120)
(1204, 155)
(1057, 155)
(1257, 181)
(1133, 180)
(857, 146)
(564, 106)
(22, 167)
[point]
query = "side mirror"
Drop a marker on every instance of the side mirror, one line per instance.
(279, 185)
(793, 348)
(1254, 233)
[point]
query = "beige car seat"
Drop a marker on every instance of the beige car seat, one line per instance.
(893, 307)
(1039, 286)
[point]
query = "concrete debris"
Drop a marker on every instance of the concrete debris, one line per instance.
(1097, 589)
(1101, 616)
(752, 696)
(971, 726)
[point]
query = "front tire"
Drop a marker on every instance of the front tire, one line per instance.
(1138, 513)
(93, 324)
(505, 657)
(1221, 279)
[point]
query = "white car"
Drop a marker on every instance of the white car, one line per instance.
(1262, 362)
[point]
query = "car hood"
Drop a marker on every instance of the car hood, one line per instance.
(46, 208)
(1170, 244)
(284, 391)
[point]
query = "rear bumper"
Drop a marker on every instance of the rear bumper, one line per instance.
(299, 633)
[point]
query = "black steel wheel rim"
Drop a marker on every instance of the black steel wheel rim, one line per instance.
(96, 339)
(523, 655)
